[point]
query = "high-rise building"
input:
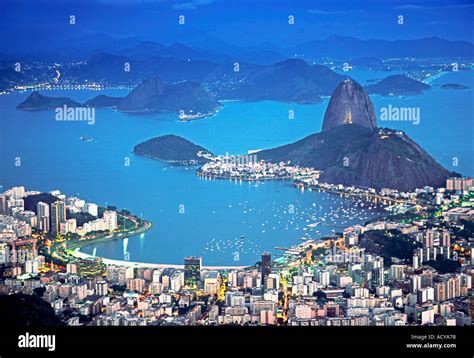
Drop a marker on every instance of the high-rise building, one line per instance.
(176, 281)
(426, 279)
(378, 277)
(110, 218)
(71, 268)
(416, 260)
(397, 272)
(415, 283)
(233, 278)
(273, 281)
(42, 212)
(71, 225)
(3, 204)
(101, 288)
(58, 215)
(92, 209)
(458, 184)
(4, 253)
(192, 271)
(18, 192)
(440, 291)
(136, 284)
(266, 266)
(446, 239)
(212, 282)
(429, 238)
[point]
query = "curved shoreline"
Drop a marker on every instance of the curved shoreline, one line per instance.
(434, 77)
(122, 235)
(75, 248)
(83, 255)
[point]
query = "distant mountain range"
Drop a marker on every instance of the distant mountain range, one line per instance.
(287, 81)
(292, 81)
(265, 72)
(352, 151)
(346, 48)
(336, 47)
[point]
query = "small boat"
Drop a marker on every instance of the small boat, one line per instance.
(87, 139)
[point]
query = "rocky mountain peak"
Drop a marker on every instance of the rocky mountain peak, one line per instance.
(349, 104)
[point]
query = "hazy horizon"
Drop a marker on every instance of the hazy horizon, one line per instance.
(217, 24)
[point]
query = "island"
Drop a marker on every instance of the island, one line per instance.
(397, 85)
(454, 86)
(36, 101)
(173, 149)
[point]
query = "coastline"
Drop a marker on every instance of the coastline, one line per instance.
(169, 161)
(75, 248)
(434, 77)
(122, 235)
(82, 255)
(223, 177)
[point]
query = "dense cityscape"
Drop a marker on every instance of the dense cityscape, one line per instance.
(410, 268)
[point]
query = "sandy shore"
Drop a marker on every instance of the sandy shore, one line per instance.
(77, 253)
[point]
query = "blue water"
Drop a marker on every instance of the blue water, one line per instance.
(223, 221)
(446, 129)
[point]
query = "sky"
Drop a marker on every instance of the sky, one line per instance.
(247, 23)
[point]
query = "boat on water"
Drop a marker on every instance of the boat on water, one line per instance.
(86, 139)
